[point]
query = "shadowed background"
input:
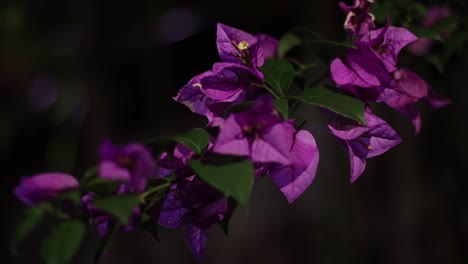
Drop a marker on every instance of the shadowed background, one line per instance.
(74, 72)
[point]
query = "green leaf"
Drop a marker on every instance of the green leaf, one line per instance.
(288, 42)
(196, 139)
(73, 196)
(62, 243)
(90, 173)
(338, 103)
(29, 220)
(279, 74)
(102, 187)
(155, 193)
(281, 105)
(437, 62)
(119, 206)
(234, 180)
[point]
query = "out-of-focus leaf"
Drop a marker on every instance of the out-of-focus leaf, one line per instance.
(62, 243)
(88, 175)
(288, 42)
(118, 206)
(29, 220)
(102, 187)
(423, 32)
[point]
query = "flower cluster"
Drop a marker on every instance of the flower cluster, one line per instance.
(259, 133)
(371, 73)
(246, 123)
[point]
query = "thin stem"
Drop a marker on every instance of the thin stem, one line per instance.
(154, 190)
(266, 88)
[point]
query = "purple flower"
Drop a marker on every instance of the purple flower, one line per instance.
(43, 187)
(364, 142)
(213, 92)
(269, 45)
(412, 89)
(273, 145)
(387, 43)
(358, 19)
(293, 179)
(193, 204)
(237, 46)
(363, 74)
(234, 80)
(177, 162)
(228, 81)
(102, 221)
(131, 163)
(191, 96)
(367, 69)
(256, 133)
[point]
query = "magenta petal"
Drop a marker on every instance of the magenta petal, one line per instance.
(191, 96)
(347, 132)
(420, 47)
(435, 100)
(172, 212)
(382, 136)
(411, 84)
(107, 150)
(269, 45)
(144, 165)
(411, 112)
(395, 38)
(226, 40)
(132, 163)
(363, 61)
(227, 82)
(377, 138)
(357, 166)
(295, 178)
(110, 171)
(274, 145)
(230, 140)
(196, 239)
(263, 151)
(343, 75)
(43, 187)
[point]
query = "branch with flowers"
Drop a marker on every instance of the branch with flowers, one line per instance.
(250, 99)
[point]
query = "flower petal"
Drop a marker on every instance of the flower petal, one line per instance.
(227, 38)
(45, 186)
(295, 178)
(231, 140)
(196, 239)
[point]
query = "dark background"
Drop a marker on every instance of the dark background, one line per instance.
(73, 72)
